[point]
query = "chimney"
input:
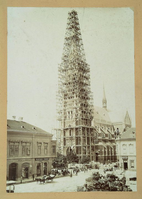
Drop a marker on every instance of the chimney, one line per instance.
(14, 117)
(20, 118)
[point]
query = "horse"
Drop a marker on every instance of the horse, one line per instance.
(37, 179)
(65, 172)
(43, 180)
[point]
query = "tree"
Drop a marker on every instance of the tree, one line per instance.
(85, 160)
(72, 157)
(59, 161)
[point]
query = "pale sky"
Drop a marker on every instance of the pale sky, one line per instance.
(35, 46)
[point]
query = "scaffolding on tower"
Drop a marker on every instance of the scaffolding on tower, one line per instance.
(74, 96)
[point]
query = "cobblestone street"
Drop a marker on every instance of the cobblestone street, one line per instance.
(61, 184)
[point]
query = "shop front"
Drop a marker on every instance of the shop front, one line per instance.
(45, 168)
(125, 162)
(25, 170)
(41, 166)
(38, 169)
(13, 171)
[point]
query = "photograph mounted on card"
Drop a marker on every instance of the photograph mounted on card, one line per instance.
(71, 100)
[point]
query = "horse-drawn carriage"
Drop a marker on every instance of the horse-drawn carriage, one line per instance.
(45, 178)
(51, 176)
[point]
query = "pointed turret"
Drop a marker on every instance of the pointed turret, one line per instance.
(73, 45)
(74, 76)
(127, 120)
(104, 101)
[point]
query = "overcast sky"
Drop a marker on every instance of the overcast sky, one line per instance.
(35, 46)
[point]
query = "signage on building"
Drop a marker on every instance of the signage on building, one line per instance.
(41, 159)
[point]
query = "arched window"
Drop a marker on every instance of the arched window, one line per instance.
(131, 148)
(124, 147)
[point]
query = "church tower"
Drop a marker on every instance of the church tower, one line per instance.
(104, 101)
(75, 104)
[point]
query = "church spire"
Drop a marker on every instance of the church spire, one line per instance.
(127, 120)
(73, 45)
(104, 101)
(75, 99)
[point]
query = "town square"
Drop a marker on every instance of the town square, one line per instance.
(85, 140)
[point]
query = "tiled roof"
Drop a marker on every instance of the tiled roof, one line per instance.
(129, 133)
(116, 116)
(21, 126)
(101, 114)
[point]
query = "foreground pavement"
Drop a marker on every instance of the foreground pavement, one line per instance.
(61, 184)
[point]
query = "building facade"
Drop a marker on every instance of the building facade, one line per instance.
(86, 129)
(109, 125)
(120, 121)
(126, 149)
(75, 105)
(105, 145)
(30, 150)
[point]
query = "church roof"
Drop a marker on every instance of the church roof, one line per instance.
(24, 127)
(101, 114)
(116, 116)
(120, 117)
(129, 133)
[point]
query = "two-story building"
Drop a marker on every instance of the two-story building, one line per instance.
(126, 149)
(30, 150)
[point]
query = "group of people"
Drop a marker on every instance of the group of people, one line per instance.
(77, 169)
(33, 176)
(108, 167)
(63, 171)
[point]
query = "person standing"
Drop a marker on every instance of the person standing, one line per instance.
(84, 169)
(33, 177)
(71, 174)
(85, 187)
(21, 178)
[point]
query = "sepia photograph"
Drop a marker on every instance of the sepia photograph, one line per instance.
(70, 100)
